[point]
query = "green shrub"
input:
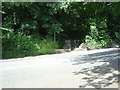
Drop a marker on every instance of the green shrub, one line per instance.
(21, 45)
(118, 37)
(47, 46)
(93, 44)
(18, 45)
(97, 39)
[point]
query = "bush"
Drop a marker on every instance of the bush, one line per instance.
(47, 46)
(117, 37)
(97, 39)
(93, 44)
(21, 45)
(18, 45)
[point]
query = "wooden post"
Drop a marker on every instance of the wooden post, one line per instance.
(54, 37)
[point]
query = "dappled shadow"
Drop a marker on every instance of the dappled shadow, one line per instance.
(99, 75)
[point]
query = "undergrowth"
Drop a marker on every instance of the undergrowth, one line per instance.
(21, 45)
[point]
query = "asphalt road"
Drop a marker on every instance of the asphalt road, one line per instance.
(76, 69)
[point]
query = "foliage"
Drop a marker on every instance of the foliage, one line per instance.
(17, 45)
(47, 46)
(118, 36)
(28, 25)
(98, 36)
(21, 45)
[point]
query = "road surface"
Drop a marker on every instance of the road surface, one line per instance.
(76, 69)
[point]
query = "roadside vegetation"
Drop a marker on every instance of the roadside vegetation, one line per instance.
(29, 27)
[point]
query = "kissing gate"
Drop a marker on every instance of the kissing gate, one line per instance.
(71, 44)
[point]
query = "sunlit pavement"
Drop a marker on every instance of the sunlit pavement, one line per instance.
(76, 69)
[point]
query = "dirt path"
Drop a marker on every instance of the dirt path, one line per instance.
(77, 69)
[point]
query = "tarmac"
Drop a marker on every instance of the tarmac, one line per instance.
(76, 69)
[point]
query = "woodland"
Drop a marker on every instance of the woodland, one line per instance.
(38, 28)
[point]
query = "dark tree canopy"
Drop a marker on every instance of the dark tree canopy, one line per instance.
(96, 22)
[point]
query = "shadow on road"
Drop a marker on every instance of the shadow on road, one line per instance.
(101, 75)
